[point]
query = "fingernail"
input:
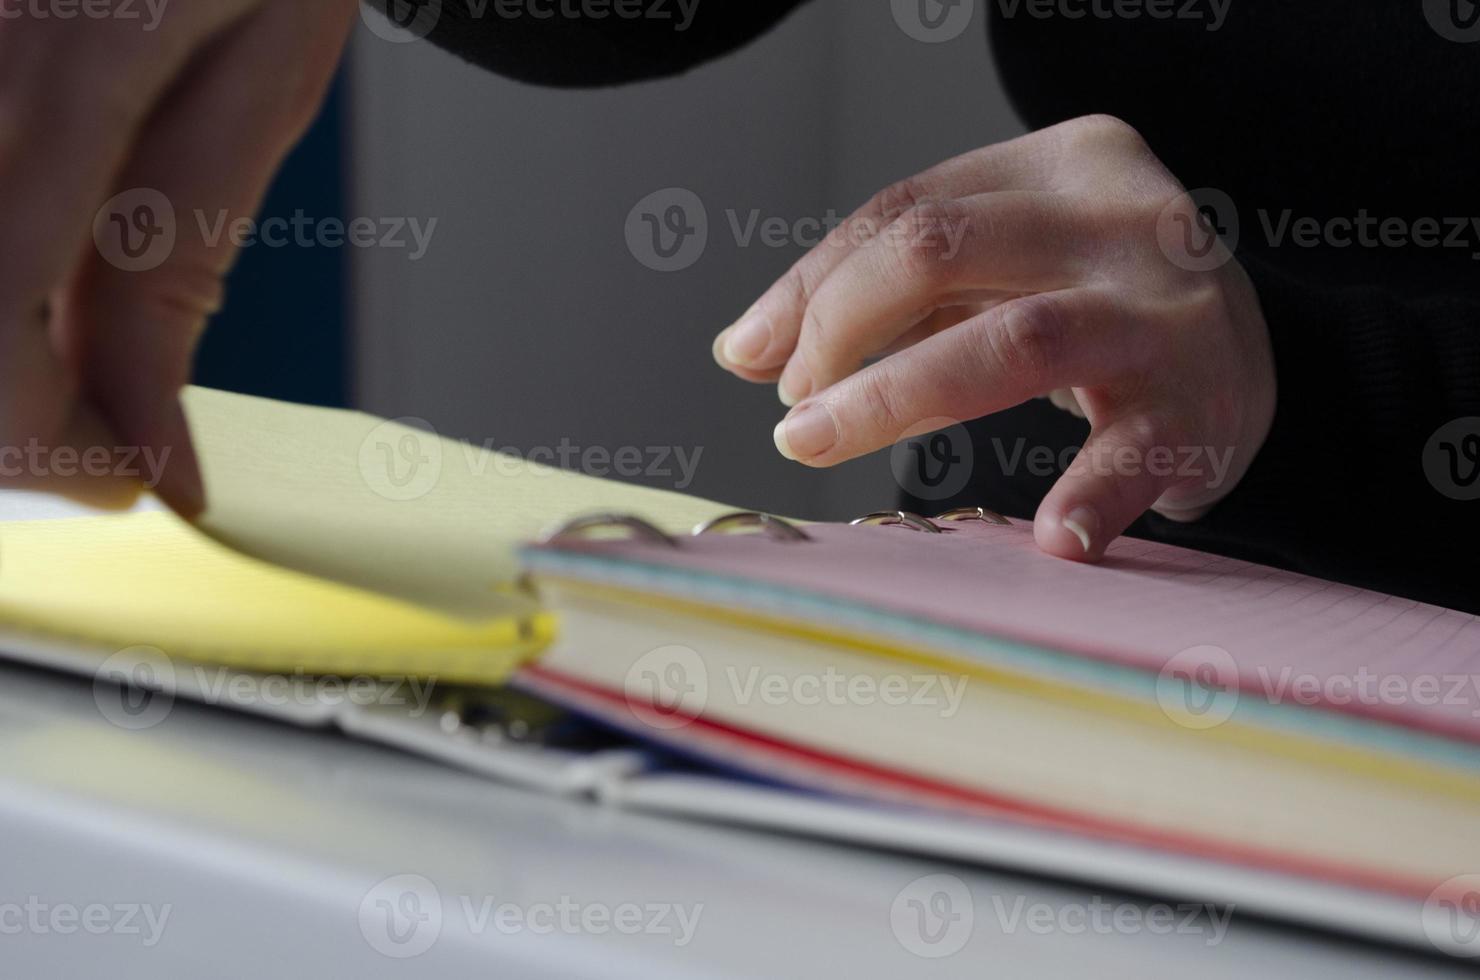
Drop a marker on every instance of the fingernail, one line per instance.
(1083, 523)
(807, 433)
(747, 340)
(793, 388)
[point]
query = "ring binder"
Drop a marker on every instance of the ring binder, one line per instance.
(974, 514)
(902, 517)
(581, 527)
(774, 527)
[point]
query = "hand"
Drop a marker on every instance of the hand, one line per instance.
(1053, 265)
(199, 106)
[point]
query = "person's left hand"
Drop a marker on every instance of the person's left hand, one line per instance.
(1068, 263)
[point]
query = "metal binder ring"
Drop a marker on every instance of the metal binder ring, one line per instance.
(774, 527)
(901, 517)
(974, 514)
(581, 527)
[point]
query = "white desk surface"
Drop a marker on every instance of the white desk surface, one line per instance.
(269, 847)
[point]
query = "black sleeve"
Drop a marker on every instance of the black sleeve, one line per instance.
(574, 43)
(1371, 473)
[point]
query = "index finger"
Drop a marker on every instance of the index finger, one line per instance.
(1011, 353)
(758, 345)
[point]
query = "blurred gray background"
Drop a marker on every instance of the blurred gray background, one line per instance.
(529, 321)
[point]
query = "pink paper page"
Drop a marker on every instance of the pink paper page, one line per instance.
(1289, 638)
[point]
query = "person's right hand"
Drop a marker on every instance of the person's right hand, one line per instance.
(200, 107)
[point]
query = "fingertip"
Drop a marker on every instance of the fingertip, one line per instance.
(718, 350)
(783, 444)
(151, 431)
(1076, 534)
(101, 493)
(795, 385)
(183, 490)
(807, 434)
(176, 476)
(746, 342)
(90, 474)
(756, 373)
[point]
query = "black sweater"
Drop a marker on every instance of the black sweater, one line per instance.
(1321, 109)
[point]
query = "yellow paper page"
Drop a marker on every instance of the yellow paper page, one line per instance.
(120, 581)
(388, 507)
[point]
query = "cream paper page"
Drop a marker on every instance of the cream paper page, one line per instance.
(388, 507)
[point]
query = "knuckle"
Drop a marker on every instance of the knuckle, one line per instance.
(928, 238)
(1143, 431)
(1098, 135)
(1030, 337)
(897, 198)
(1105, 128)
(1156, 430)
(185, 293)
